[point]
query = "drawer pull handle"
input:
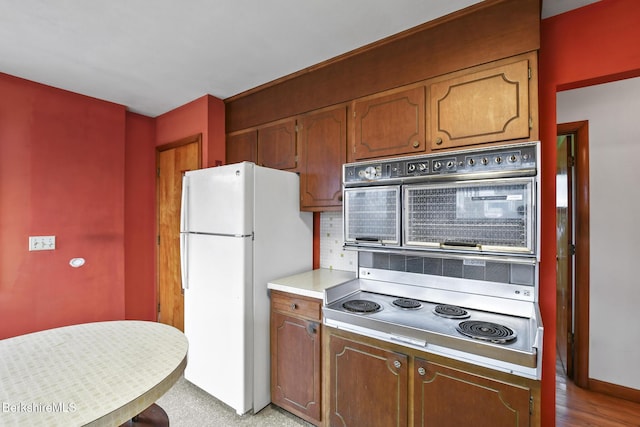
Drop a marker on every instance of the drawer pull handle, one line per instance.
(397, 364)
(416, 144)
(438, 141)
(421, 371)
(294, 306)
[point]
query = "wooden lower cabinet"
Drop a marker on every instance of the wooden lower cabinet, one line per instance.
(296, 380)
(368, 385)
(444, 396)
(375, 383)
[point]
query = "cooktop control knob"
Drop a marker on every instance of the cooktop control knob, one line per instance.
(498, 160)
(484, 161)
(437, 165)
(471, 162)
(450, 164)
(422, 167)
(513, 158)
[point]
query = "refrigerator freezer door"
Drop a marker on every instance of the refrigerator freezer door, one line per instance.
(217, 201)
(218, 323)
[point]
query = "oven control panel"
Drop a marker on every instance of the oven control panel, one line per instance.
(520, 159)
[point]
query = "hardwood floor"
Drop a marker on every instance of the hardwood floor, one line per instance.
(577, 407)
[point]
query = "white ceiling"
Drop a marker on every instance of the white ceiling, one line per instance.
(155, 55)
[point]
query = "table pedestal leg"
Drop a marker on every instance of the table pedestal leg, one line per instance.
(154, 416)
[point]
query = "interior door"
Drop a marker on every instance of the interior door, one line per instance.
(564, 279)
(173, 160)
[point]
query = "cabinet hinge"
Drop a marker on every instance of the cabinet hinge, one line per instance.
(158, 240)
(530, 405)
(529, 73)
(354, 114)
(530, 122)
(158, 307)
(158, 172)
(571, 161)
(572, 249)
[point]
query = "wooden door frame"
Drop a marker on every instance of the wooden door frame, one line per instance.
(197, 138)
(580, 130)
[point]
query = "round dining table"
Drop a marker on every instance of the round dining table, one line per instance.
(95, 374)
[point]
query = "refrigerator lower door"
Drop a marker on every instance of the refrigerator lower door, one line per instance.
(218, 320)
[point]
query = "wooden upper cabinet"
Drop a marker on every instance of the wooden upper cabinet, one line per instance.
(242, 147)
(277, 145)
(389, 124)
(479, 106)
(323, 149)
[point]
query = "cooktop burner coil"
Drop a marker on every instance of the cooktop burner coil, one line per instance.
(361, 306)
(486, 331)
(451, 311)
(407, 303)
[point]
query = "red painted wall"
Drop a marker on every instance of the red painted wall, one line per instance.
(83, 170)
(61, 173)
(594, 44)
(140, 224)
(204, 115)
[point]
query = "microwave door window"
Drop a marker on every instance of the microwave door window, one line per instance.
(372, 216)
(491, 203)
(488, 215)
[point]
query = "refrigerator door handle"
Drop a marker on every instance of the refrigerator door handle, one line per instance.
(184, 242)
(184, 217)
(184, 260)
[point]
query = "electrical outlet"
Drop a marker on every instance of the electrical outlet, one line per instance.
(42, 243)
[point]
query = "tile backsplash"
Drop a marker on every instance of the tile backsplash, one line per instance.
(332, 255)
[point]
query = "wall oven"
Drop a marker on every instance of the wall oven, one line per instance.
(447, 255)
(479, 201)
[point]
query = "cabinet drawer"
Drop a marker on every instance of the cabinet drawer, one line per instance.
(296, 305)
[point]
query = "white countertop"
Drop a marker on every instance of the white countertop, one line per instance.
(98, 374)
(311, 283)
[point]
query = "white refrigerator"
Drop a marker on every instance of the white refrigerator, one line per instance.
(240, 227)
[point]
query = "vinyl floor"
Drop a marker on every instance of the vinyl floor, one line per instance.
(188, 406)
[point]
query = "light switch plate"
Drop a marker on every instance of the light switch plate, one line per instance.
(42, 243)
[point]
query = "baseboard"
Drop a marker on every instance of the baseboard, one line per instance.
(614, 390)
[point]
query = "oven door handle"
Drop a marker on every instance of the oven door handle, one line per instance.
(365, 239)
(456, 244)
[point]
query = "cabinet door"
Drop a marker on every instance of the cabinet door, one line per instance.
(482, 106)
(295, 365)
(389, 125)
(277, 145)
(445, 396)
(323, 148)
(242, 147)
(368, 385)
